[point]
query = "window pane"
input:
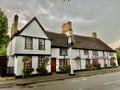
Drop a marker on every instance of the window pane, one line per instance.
(28, 43)
(63, 51)
(63, 62)
(41, 44)
(86, 52)
(40, 61)
(28, 64)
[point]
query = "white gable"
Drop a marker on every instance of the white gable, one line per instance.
(34, 30)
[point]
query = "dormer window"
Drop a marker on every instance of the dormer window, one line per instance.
(86, 52)
(41, 44)
(63, 51)
(28, 43)
(111, 53)
(95, 53)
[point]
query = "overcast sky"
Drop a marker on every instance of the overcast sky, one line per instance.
(87, 16)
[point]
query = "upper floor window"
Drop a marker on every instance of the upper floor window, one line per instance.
(95, 53)
(86, 52)
(28, 43)
(41, 44)
(63, 51)
(103, 53)
(111, 53)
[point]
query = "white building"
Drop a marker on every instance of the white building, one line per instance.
(34, 41)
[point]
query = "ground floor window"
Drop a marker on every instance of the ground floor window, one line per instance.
(63, 62)
(95, 61)
(28, 63)
(40, 61)
(87, 61)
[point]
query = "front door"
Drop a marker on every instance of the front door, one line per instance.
(53, 64)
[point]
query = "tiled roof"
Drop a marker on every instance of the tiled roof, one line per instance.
(58, 40)
(81, 42)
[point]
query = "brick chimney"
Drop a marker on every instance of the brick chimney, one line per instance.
(66, 27)
(14, 25)
(94, 35)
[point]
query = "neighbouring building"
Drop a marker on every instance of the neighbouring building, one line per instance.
(34, 41)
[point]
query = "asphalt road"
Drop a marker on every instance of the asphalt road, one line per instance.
(109, 81)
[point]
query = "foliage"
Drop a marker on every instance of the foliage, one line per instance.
(46, 60)
(113, 64)
(89, 66)
(25, 59)
(97, 65)
(105, 65)
(113, 58)
(77, 58)
(4, 38)
(118, 57)
(27, 71)
(93, 66)
(3, 51)
(64, 69)
(42, 70)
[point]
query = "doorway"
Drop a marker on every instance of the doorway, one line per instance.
(53, 64)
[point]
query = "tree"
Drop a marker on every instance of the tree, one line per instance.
(118, 57)
(4, 38)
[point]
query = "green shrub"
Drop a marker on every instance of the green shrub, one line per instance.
(113, 65)
(97, 66)
(27, 71)
(105, 65)
(64, 69)
(42, 70)
(89, 66)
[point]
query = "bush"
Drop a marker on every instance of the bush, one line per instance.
(105, 65)
(89, 66)
(64, 69)
(97, 65)
(28, 71)
(42, 70)
(113, 65)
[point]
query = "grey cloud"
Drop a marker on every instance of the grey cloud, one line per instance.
(101, 16)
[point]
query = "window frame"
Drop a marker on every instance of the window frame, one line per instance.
(40, 61)
(41, 44)
(110, 53)
(29, 43)
(103, 53)
(95, 53)
(63, 62)
(28, 64)
(65, 50)
(86, 52)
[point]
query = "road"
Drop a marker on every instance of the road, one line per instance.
(109, 81)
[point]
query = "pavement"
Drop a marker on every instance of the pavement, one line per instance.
(55, 76)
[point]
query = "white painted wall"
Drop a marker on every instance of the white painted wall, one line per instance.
(18, 65)
(77, 65)
(34, 30)
(18, 47)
